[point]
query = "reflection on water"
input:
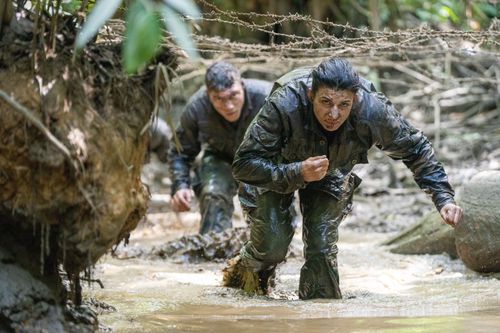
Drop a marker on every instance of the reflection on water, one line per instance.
(383, 292)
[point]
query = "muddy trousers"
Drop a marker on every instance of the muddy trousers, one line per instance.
(215, 188)
(272, 232)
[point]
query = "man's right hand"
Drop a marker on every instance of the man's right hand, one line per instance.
(314, 168)
(181, 201)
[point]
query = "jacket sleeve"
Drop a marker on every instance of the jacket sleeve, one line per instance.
(258, 161)
(401, 141)
(181, 160)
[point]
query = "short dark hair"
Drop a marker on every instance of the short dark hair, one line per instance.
(335, 73)
(221, 76)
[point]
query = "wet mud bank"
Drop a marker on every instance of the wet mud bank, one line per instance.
(71, 150)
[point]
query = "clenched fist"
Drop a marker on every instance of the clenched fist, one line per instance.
(451, 214)
(314, 168)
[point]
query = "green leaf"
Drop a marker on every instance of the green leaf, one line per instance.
(184, 7)
(179, 30)
(102, 11)
(71, 6)
(142, 37)
(484, 8)
(447, 12)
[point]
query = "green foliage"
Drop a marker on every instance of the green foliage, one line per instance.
(143, 28)
(186, 8)
(485, 10)
(439, 11)
(453, 12)
(71, 6)
(179, 30)
(386, 14)
(102, 11)
(142, 36)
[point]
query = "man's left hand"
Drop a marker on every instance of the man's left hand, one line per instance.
(451, 214)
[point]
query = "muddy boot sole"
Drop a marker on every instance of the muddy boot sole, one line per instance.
(237, 275)
(267, 280)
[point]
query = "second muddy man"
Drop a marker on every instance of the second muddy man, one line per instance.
(213, 122)
(315, 126)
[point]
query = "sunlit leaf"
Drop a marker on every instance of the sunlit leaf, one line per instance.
(102, 11)
(448, 12)
(179, 30)
(142, 37)
(184, 7)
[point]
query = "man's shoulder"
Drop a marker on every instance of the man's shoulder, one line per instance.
(371, 104)
(290, 94)
(198, 102)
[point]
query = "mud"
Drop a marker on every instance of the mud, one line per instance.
(382, 291)
(193, 248)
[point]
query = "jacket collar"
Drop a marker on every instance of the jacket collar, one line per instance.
(247, 104)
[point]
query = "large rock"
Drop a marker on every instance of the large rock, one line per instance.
(477, 237)
(430, 235)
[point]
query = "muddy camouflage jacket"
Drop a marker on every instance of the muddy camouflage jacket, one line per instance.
(286, 132)
(202, 128)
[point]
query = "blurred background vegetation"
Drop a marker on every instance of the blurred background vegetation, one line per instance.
(466, 15)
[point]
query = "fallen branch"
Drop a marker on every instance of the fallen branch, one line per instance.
(35, 121)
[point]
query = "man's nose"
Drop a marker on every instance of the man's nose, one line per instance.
(334, 113)
(229, 106)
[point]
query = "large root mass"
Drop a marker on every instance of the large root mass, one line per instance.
(67, 199)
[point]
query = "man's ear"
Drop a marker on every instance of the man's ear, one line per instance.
(310, 95)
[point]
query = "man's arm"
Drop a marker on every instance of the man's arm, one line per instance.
(401, 141)
(257, 160)
(180, 161)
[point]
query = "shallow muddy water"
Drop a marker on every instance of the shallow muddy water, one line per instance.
(383, 292)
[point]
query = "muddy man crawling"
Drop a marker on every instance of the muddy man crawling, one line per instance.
(314, 127)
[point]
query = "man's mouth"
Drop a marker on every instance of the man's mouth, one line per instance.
(332, 124)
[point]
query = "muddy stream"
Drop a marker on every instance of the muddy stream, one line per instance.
(383, 292)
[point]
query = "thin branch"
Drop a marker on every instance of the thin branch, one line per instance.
(36, 122)
(416, 75)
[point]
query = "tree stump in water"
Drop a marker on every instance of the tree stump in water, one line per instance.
(477, 237)
(428, 236)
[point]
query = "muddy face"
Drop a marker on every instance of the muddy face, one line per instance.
(331, 107)
(229, 102)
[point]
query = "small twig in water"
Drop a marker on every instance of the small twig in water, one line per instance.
(98, 281)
